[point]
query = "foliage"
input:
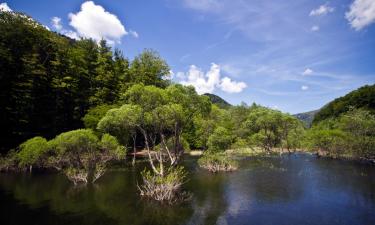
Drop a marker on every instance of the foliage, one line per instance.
(221, 103)
(165, 188)
(82, 156)
(32, 152)
(271, 128)
(352, 134)
(306, 117)
(49, 81)
(363, 97)
(217, 162)
(93, 115)
(150, 69)
(219, 140)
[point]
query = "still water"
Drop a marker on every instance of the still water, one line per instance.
(292, 190)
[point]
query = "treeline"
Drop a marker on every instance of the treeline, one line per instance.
(52, 87)
(350, 135)
(48, 81)
(362, 98)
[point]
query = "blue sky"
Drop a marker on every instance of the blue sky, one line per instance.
(293, 55)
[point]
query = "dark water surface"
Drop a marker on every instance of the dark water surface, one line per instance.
(291, 190)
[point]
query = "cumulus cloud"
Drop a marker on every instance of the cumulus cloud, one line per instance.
(307, 72)
(4, 7)
(56, 23)
(315, 28)
(207, 82)
(304, 88)
(71, 34)
(93, 21)
(133, 33)
(230, 86)
(361, 13)
(322, 10)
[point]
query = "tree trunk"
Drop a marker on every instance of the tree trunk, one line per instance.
(134, 149)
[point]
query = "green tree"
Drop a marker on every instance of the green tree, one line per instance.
(82, 156)
(33, 152)
(220, 140)
(149, 69)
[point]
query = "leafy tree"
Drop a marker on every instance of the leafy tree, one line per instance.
(93, 115)
(82, 156)
(33, 152)
(150, 69)
(123, 123)
(219, 140)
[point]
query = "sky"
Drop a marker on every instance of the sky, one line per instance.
(291, 55)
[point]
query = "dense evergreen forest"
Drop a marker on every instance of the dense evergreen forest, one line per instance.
(48, 81)
(78, 105)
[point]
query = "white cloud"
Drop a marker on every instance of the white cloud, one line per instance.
(134, 33)
(4, 7)
(322, 10)
(315, 28)
(56, 23)
(71, 34)
(96, 23)
(227, 85)
(361, 14)
(304, 88)
(307, 72)
(206, 83)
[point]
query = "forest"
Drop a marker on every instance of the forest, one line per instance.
(78, 106)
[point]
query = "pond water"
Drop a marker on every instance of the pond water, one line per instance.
(292, 189)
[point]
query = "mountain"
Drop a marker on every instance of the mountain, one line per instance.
(363, 97)
(306, 117)
(218, 100)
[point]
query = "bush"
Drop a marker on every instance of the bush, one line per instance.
(93, 116)
(240, 143)
(9, 162)
(165, 188)
(75, 141)
(81, 155)
(110, 144)
(219, 140)
(217, 162)
(32, 152)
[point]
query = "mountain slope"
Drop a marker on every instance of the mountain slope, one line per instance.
(363, 97)
(218, 101)
(306, 117)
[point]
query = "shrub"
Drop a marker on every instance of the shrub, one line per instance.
(112, 147)
(93, 116)
(75, 141)
(219, 140)
(32, 152)
(9, 162)
(82, 157)
(240, 143)
(165, 188)
(217, 162)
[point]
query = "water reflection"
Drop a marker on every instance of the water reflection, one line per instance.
(297, 189)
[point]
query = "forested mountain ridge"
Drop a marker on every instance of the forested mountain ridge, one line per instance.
(362, 98)
(217, 100)
(306, 117)
(49, 81)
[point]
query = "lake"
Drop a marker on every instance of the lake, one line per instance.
(288, 190)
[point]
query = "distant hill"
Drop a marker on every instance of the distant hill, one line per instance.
(306, 117)
(363, 97)
(218, 101)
